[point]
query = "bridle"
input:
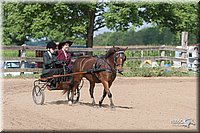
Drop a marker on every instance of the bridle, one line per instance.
(116, 54)
(121, 55)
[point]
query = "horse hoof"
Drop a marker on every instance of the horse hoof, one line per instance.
(100, 103)
(93, 103)
(112, 106)
(70, 103)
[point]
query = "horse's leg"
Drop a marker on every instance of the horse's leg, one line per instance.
(102, 98)
(106, 91)
(92, 84)
(77, 80)
(75, 85)
(110, 94)
(110, 97)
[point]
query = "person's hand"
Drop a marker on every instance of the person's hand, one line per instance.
(63, 62)
(53, 60)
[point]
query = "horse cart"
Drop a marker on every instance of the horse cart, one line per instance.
(41, 84)
(111, 63)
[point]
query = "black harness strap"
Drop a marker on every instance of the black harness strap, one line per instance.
(95, 68)
(111, 69)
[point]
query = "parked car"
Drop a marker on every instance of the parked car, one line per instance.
(79, 53)
(15, 64)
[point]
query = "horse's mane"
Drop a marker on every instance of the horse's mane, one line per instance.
(109, 52)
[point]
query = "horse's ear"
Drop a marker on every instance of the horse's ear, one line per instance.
(114, 48)
(124, 49)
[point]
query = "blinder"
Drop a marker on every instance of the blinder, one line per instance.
(121, 54)
(124, 57)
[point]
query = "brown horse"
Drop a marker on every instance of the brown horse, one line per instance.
(104, 71)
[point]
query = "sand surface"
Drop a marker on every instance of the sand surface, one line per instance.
(141, 104)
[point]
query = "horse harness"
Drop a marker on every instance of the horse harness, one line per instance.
(97, 66)
(120, 53)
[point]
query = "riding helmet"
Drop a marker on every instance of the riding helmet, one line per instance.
(51, 44)
(60, 45)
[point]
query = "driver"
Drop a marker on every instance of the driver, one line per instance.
(49, 64)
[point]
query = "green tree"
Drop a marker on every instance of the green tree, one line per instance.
(102, 39)
(176, 16)
(57, 21)
(78, 21)
(146, 36)
(121, 16)
(32, 19)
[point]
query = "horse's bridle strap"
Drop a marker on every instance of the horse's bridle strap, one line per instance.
(119, 52)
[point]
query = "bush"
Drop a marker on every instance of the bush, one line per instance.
(156, 72)
(132, 69)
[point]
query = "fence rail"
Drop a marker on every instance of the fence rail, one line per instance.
(131, 48)
(36, 70)
(161, 58)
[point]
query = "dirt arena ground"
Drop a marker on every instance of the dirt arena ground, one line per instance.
(141, 104)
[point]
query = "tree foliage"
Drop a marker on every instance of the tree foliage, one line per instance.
(176, 16)
(78, 21)
(146, 36)
(56, 21)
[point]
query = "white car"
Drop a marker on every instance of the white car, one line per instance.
(14, 64)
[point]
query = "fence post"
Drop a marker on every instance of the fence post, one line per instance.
(162, 63)
(23, 56)
(142, 53)
(184, 43)
(198, 19)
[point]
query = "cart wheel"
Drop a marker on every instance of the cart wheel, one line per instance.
(76, 95)
(38, 95)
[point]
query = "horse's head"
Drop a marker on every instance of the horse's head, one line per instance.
(119, 58)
